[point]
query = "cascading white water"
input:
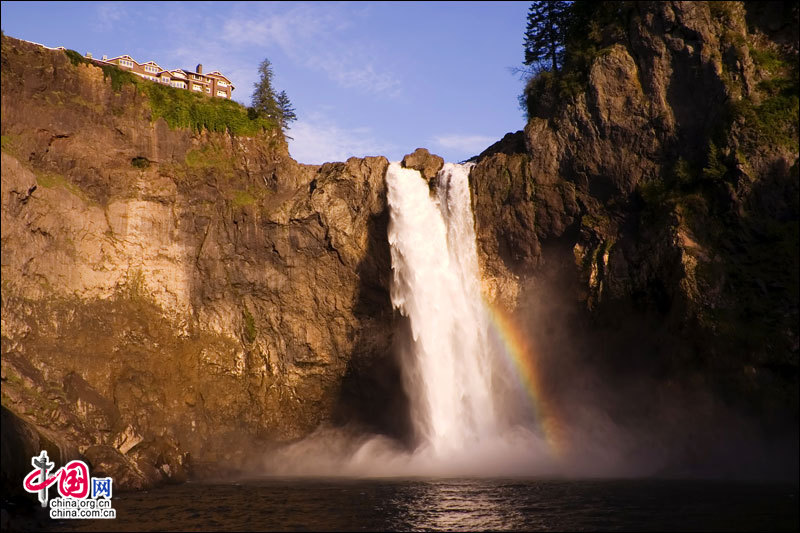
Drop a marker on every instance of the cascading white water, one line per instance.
(436, 285)
(461, 422)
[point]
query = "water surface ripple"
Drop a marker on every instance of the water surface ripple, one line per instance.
(313, 504)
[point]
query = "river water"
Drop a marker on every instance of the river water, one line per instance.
(314, 504)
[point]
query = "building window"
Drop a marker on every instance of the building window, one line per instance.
(222, 94)
(126, 63)
(221, 83)
(208, 90)
(197, 88)
(179, 84)
(149, 68)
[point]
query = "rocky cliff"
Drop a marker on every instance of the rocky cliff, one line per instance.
(658, 180)
(170, 296)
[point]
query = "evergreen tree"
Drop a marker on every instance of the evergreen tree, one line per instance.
(264, 100)
(267, 102)
(545, 34)
(285, 109)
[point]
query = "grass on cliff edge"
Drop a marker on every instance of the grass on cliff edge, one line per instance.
(185, 109)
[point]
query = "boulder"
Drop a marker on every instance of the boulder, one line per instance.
(421, 159)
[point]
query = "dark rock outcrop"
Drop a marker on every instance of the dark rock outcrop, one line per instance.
(654, 179)
(426, 163)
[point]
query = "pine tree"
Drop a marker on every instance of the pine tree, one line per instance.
(285, 109)
(264, 101)
(545, 34)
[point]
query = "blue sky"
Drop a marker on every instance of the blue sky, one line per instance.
(365, 78)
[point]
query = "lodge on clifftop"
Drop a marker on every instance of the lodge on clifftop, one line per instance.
(214, 83)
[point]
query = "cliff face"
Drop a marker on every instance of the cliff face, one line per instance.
(665, 191)
(170, 296)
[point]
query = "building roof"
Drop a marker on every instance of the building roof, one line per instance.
(218, 74)
(126, 56)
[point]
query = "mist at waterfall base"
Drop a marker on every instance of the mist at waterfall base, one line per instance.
(493, 395)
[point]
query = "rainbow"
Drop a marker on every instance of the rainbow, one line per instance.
(522, 357)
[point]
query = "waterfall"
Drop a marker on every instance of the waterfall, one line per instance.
(436, 285)
(459, 384)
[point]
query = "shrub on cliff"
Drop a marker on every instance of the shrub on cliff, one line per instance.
(185, 109)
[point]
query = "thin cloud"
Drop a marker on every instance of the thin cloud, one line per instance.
(108, 15)
(317, 140)
(316, 38)
(471, 144)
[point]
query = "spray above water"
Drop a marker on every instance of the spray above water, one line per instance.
(457, 370)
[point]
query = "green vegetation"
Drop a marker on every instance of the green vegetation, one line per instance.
(545, 34)
(9, 143)
(118, 77)
(188, 109)
(774, 120)
(211, 157)
(51, 180)
(587, 30)
(767, 59)
(77, 59)
(242, 198)
(267, 103)
(715, 168)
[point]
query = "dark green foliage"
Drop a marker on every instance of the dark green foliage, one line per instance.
(715, 169)
(285, 109)
(774, 121)
(140, 162)
(77, 59)
(683, 173)
(591, 27)
(118, 77)
(264, 99)
(588, 28)
(767, 59)
(185, 109)
(269, 104)
(545, 34)
(545, 89)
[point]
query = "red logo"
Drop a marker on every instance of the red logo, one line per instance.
(74, 480)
